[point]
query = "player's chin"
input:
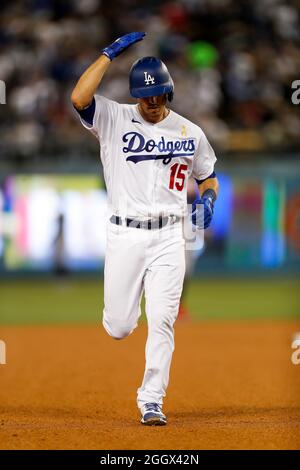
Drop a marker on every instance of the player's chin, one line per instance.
(154, 111)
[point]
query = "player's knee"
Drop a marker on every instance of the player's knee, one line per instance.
(162, 325)
(117, 330)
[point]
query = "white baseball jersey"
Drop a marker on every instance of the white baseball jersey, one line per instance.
(146, 169)
(146, 166)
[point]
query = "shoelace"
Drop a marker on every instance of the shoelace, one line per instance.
(153, 407)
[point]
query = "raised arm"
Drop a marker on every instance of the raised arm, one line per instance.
(83, 93)
(88, 83)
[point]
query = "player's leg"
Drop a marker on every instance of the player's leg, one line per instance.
(190, 261)
(163, 287)
(123, 280)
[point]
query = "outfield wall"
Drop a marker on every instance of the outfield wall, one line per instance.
(53, 220)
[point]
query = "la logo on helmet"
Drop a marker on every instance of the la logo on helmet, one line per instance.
(148, 79)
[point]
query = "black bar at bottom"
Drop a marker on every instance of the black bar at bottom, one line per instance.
(138, 458)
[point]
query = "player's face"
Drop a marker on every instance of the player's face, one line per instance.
(153, 108)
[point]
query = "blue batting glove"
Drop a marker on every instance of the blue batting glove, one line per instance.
(202, 210)
(121, 44)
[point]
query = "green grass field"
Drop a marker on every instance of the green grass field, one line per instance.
(81, 301)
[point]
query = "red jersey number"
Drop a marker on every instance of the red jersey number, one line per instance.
(177, 176)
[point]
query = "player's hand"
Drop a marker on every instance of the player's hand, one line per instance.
(121, 44)
(202, 212)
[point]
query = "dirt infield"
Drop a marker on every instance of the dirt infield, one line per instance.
(232, 386)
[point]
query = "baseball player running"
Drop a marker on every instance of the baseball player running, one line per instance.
(148, 152)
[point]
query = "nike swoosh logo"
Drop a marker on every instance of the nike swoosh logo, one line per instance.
(133, 120)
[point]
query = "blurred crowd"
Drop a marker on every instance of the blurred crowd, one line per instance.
(232, 61)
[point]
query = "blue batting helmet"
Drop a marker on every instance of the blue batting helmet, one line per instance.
(149, 76)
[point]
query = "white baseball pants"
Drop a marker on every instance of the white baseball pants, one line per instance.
(154, 261)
